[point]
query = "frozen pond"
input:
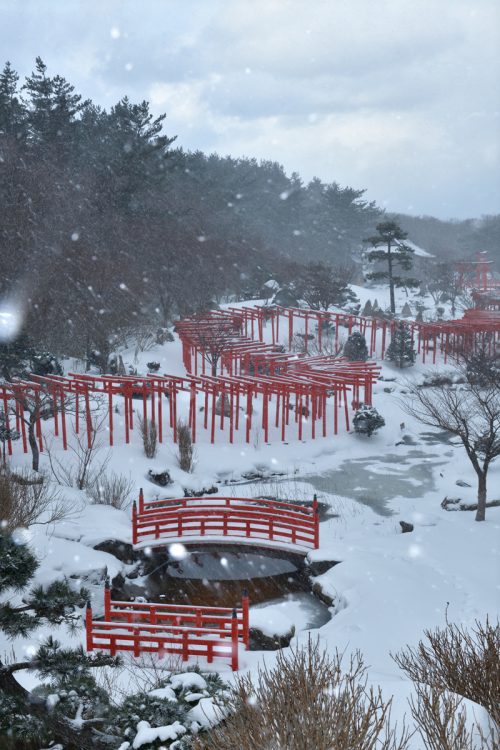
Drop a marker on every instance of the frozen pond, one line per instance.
(374, 481)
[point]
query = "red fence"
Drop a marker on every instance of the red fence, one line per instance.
(203, 518)
(169, 628)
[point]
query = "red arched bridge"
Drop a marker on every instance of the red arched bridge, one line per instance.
(198, 519)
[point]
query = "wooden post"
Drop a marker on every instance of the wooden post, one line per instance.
(234, 641)
(316, 522)
(141, 501)
(63, 421)
(110, 411)
(245, 602)
(134, 523)
(107, 601)
(88, 627)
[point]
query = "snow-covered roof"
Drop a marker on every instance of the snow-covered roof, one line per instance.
(418, 250)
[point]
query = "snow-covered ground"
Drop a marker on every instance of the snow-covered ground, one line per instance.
(387, 588)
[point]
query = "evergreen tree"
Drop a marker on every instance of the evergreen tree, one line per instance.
(322, 285)
(367, 419)
(12, 111)
(15, 356)
(23, 715)
(400, 350)
(69, 707)
(394, 254)
(355, 348)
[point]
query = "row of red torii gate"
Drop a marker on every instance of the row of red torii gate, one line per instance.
(241, 382)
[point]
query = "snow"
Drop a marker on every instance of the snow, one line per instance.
(188, 681)
(206, 713)
(165, 693)
(387, 588)
(146, 733)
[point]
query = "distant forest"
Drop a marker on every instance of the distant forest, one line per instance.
(106, 224)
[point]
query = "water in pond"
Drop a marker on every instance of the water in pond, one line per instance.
(277, 583)
(216, 575)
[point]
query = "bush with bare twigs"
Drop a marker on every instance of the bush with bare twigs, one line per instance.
(441, 720)
(463, 661)
(306, 702)
(111, 489)
(88, 463)
(185, 447)
(149, 436)
(27, 499)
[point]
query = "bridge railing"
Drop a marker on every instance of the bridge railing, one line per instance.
(234, 518)
(180, 615)
(185, 630)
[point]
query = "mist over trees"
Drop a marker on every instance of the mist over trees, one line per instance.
(106, 225)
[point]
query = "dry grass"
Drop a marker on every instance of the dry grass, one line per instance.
(112, 489)
(149, 436)
(306, 702)
(185, 456)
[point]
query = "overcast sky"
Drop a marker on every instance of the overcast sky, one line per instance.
(397, 96)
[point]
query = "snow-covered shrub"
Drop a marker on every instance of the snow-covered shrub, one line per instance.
(400, 350)
(367, 419)
(153, 366)
(45, 363)
(355, 348)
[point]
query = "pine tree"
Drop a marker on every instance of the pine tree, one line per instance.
(355, 348)
(400, 350)
(25, 716)
(367, 419)
(15, 356)
(12, 111)
(394, 253)
(367, 309)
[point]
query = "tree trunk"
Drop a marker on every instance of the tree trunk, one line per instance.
(33, 444)
(391, 281)
(481, 496)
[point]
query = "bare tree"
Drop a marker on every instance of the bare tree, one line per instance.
(212, 337)
(39, 405)
(471, 412)
(85, 468)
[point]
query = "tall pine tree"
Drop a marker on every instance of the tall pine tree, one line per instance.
(390, 250)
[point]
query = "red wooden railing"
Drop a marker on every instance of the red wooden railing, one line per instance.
(200, 518)
(169, 628)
